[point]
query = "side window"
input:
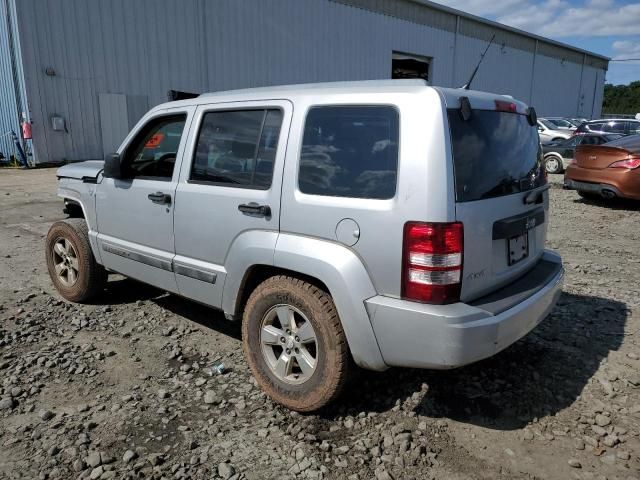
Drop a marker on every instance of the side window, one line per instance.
(615, 127)
(574, 141)
(595, 127)
(634, 128)
(350, 151)
(237, 147)
(590, 140)
(152, 153)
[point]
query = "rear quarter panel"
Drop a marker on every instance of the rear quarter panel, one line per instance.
(423, 191)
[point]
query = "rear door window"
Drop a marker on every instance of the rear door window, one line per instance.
(495, 154)
(350, 151)
(237, 148)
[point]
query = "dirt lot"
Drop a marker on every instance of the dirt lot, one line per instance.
(123, 388)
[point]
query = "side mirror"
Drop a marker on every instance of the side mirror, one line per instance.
(113, 166)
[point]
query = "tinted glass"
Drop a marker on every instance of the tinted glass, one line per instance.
(614, 127)
(237, 148)
(610, 137)
(634, 128)
(631, 143)
(572, 142)
(547, 123)
(350, 152)
(153, 152)
(595, 127)
(495, 154)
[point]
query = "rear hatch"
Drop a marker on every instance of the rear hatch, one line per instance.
(501, 189)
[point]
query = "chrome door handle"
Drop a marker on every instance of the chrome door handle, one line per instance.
(160, 198)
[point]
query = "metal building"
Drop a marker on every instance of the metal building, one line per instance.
(88, 69)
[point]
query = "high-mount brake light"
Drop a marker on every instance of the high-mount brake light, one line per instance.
(432, 262)
(503, 106)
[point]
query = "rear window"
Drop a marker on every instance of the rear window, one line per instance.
(630, 143)
(494, 154)
(350, 151)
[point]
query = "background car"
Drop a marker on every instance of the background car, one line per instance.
(561, 123)
(611, 170)
(578, 121)
(558, 155)
(623, 126)
(548, 132)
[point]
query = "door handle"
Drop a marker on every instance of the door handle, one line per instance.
(255, 209)
(160, 198)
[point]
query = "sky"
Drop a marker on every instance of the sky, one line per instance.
(607, 27)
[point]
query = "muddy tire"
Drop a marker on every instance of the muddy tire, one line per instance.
(294, 343)
(70, 261)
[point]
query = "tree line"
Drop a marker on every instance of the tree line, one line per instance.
(623, 99)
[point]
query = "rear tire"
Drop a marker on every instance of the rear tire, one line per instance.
(294, 343)
(72, 267)
(553, 164)
(588, 195)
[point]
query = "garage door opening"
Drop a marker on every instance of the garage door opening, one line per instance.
(404, 65)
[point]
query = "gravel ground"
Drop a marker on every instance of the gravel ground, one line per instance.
(124, 388)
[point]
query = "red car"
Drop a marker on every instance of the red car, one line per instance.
(611, 170)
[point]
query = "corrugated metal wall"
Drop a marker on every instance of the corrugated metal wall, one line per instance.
(10, 99)
(143, 48)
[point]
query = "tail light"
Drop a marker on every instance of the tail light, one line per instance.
(432, 262)
(630, 163)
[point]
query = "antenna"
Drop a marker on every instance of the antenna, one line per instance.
(468, 84)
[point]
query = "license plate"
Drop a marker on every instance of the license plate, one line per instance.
(518, 248)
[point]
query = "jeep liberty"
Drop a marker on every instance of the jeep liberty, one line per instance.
(379, 224)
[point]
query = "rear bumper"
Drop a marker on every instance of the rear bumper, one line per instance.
(624, 183)
(412, 334)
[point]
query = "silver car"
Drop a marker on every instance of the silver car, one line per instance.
(549, 132)
(381, 224)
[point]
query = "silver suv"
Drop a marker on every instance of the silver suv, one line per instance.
(378, 224)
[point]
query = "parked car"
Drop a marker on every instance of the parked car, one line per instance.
(623, 126)
(561, 123)
(578, 121)
(611, 170)
(558, 155)
(332, 233)
(548, 132)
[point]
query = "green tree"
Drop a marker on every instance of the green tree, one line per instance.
(622, 99)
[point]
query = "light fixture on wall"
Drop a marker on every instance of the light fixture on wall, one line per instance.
(49, 72)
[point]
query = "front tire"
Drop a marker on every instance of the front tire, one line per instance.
(72, 267)
(294, 343)
(553, 164)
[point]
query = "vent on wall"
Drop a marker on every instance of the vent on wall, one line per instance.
(404, 65)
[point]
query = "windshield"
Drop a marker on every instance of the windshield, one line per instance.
(547, 123)
(494, 154)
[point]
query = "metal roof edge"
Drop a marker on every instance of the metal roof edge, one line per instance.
(502, 26)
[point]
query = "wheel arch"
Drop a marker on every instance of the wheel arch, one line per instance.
(335, 269)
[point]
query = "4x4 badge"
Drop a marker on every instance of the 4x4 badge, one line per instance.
(531, 223)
